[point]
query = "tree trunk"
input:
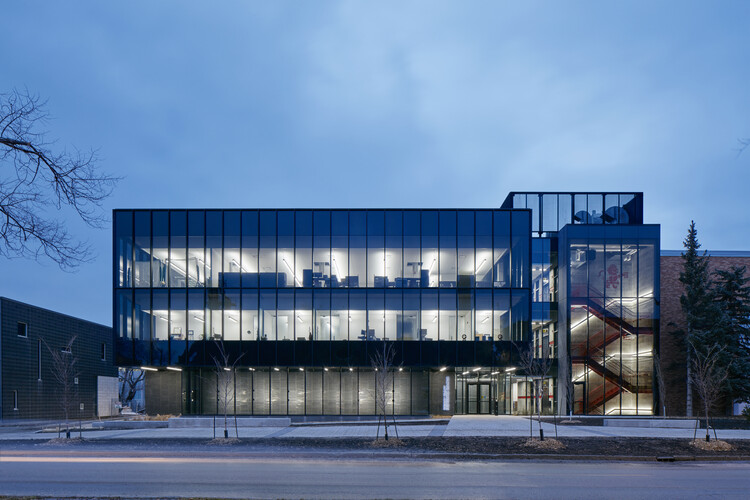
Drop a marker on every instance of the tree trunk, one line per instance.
(689, 393)
(708, 436)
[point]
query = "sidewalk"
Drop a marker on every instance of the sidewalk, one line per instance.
(461, 425)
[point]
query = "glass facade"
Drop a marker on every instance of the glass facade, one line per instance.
(303, 298)
(321, 289)
(611, 296)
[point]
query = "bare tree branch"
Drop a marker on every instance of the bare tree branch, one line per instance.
(42, 180)
(382, 365)
(225, 369)
(708, 377)
(65, 372)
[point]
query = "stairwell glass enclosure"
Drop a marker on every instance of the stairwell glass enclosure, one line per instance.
(609, 308)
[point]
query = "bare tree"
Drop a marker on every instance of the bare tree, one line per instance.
(65, 373)
(537, 368)
(44, 179)
(708, 377)
(130, 380)
(382, 364)
(225, 394)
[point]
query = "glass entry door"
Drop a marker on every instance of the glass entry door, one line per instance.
(478, 398)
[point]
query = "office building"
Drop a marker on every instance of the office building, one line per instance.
(301, 299)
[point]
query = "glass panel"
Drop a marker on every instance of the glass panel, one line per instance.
(303, 266)
(349, 392)
(213, 248)
(142, 266)
(466, 317)
(268, 315)
(142, 325)
(232, 257)
(532, 202)
(339, 315)
(303, 315)
(160, 252)
(357, 315)
(613, 273)
(313, 392)
(160, 327)
(519, 201)
(367, 393)
(261, 392)
(429, 330)
(177, 249)
(376, 249)
(409, 327)
(412, 260)
(393, 305)
(142, 305)
(278, 392)
(214, 315)
(331, 392)
(430, 268)
(375, 315)
(646, 273)
(321, 265)
(177, 325)
(483, 315)
(448, 266)
(249, 260)
(501, 237)
(564, 211)
(267, 250)
(196, 263)
(580, 210)
(595, 208)
(340, 248)
(296, 392)
(287, 275)
(501, 313)
(322, 310)
(357, 250)
(287, 306)
(250, 318)
(394, 249)
(448, 318)
(597, 273)
(611, 213)
(549, 212)
(195, 315)
(124, 248)
(232, 315)
(483, 259)
(520, 252)
(466, 265)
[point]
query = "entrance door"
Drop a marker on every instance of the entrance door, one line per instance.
(478, 398)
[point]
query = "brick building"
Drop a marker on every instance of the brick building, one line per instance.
(28, 388)
(672, 344)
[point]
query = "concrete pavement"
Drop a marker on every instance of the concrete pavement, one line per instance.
(461, 425)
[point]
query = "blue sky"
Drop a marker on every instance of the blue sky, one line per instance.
(387, 104)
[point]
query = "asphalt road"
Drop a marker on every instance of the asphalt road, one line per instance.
(53, 473)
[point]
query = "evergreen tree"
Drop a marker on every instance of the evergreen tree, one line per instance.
(697, 303)
(732, 295)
